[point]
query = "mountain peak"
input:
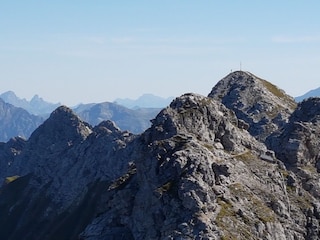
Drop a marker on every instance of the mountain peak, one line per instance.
(36, 105)
(36, 99)
(195, 173)
(64, 114)
(258, 102)
(9, 94)
(63, 126)
(62, 110)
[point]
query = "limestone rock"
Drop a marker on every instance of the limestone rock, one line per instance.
(196, 173)
(298, 143)
(262, 105)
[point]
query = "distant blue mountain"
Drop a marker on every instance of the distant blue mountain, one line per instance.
(36, 105)
(312, 93)
(133, 120)
(16, 121)
(145, 101)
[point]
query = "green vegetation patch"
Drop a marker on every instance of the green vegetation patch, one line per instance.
(256, 205)
(235, 222)
(303, 201)
(231, 225)
(208, 146)
(11, 179)
(164, 188)
(245, 157)
(277, 92)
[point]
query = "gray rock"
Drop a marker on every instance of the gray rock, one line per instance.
(261, 105)
(298, 143)
(196, 173)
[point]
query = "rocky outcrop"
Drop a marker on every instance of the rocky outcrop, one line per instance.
(8, 152)
(262, 105)
(59, 176)
(196, 173)
(298, 143)
(297, 146)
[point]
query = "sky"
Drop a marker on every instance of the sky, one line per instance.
(95, 51)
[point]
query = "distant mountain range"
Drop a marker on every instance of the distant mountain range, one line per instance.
(19, 117)
(312, 93)
(242, 163)
(36, 105)
(133, 120)
(16, 121)
(145, 101)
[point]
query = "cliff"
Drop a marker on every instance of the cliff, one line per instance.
(201, 171)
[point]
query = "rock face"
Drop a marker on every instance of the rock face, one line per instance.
(262, 105)
(196, 173)
(16, 121)
(62, 171)
(298, 143)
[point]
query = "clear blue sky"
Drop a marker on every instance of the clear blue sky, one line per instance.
(99, 50)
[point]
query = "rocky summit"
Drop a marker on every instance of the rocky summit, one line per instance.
(263, 106)
(242, 163)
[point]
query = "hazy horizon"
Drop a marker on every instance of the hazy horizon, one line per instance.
(96, 51)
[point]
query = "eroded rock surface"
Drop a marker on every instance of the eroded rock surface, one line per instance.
(199, 172)
(298, 143)
(262, 105)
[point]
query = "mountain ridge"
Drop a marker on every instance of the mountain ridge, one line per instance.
(258, 102)
(311, 93)
(146, 100)
(36, 105)
(133, 120)
(197, 172)
(16, 121)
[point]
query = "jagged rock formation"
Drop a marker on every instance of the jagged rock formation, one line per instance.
(197, 181)
(298, 143)
(8, 152)
(196, 173)
(262, 105)
(64, 168)
(16, 121)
